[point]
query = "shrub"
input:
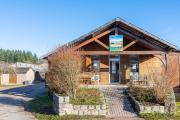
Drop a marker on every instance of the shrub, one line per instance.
(87, 96)
(143, 94)
(65, 66)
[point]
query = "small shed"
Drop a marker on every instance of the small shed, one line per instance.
(24, 74)
(6, 74)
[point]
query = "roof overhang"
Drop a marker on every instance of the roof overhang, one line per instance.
(126, 26)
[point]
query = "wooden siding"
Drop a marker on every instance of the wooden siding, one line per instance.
(13, 78)
(173, 68)
(104, 71)
(149, 65)
(124, 69)
(104, 68)
(87, 64)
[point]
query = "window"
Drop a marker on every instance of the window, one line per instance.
(134, 67)
(95, 63)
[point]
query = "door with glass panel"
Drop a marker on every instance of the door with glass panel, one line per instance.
(114, 70)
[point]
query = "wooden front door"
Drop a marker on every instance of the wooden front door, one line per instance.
(12, 78)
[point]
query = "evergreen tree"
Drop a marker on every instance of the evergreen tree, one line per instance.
(12, 56)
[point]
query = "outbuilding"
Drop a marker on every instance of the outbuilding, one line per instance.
(23, 75)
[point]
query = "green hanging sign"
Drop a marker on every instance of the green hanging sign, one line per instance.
(115, 43)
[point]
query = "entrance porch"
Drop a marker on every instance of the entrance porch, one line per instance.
(118, 69)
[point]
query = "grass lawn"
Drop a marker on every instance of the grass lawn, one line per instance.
(41, 107)
(9, 86)
(158, 116)
(87, 96)
(178, 107)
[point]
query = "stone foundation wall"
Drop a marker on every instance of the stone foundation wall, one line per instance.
(146, 109)
(62, 106)
(169, 107)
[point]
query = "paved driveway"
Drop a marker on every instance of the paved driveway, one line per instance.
(12, 101)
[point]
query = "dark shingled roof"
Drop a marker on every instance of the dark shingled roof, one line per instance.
(21, 70)
(119, 21)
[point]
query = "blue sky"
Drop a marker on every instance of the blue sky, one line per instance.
(40, 25)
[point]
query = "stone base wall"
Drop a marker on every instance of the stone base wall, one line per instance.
(169, 107)
(62, 106)
(146, 109)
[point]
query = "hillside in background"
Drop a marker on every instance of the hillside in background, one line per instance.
(12, 56)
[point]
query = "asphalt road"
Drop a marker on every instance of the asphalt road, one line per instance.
(13, 100)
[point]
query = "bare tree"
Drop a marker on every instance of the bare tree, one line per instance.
(65, 66)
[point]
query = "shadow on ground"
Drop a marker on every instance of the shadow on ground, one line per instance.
(21, 95)
(25, 91)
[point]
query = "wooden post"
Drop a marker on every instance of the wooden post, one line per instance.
(116, 31)
(162, 59)
(166, 62)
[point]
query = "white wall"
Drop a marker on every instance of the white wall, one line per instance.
(4, 79)
(30, 75)
(21, 78)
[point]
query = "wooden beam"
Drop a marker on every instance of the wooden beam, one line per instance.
(129, 45)
(121, 53)
(141, 40)
(102, 44)
(93, 39)
(116, 31)
(162, 59)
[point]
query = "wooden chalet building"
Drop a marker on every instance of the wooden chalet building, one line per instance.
(120, 52)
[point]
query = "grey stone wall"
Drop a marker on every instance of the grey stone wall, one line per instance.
(62, 106)
(146, 109)
(170, 103)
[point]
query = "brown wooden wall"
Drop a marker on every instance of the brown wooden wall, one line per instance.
(147, 65)
(151, 64)
(12, 78)
(124, 69)
(104, 71)
(174, 69)
(104, 68)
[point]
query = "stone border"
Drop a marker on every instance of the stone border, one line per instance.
(140, 108)
(62, 106)
(169, 107)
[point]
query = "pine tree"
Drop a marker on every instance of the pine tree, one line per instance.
(35, 58)
(13, 56)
